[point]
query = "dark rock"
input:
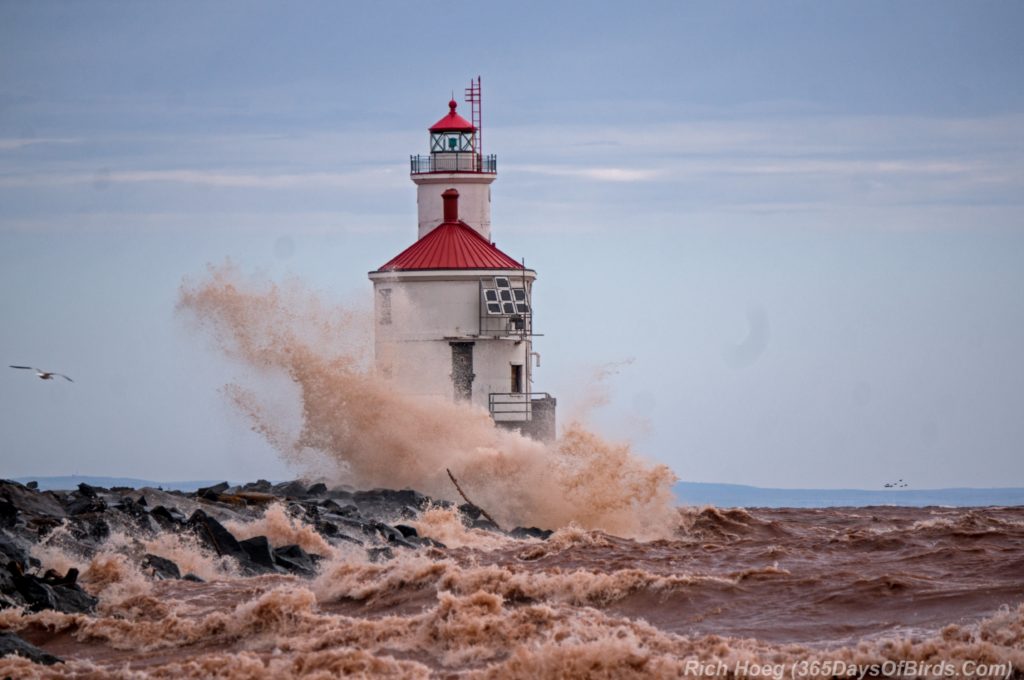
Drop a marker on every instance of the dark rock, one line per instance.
(348, 510)
(295, 559)
(407, 531)
(530, 532)
(317, 489)
(485, 524)
(60, 593)
(402, 543)
(32, 485)
(363, 526)
(53, 578)
(470, 511)
(212, 533)
(259, 551)
(85, 503)
(192, 577)
(137, 511)
(93, 529)
(12, 644)
(331, 505)
(8, 513)
(304, 509)
(87, 490)
(327, 528)
(9, 595)
(161, 567)
(74, 600)
(167, 517)
(260, 486)
(11, 551)
(293, 489)
(212, 493)
(379, 554)
(346, 538)
(393, 497)
(388, 532)
(30, 502)
(341, 493)
(42, 526)
(130, 507)
(89, 530)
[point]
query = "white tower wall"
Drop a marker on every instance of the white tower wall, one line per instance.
(417, 315)
(474, 199)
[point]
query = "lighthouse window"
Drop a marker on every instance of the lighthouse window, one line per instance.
(520, 294)
(501, 282)
(508, 308)
(522, 308)
(517, 378)
(506, 295)
(490, 295)
(493, 308)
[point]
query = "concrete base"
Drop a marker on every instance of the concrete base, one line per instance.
(542, 427)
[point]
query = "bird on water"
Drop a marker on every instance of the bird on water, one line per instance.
(44, 375)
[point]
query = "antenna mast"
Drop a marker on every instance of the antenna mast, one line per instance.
(473, 98)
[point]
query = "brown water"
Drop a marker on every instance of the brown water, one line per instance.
(743, 588)
(629, 585)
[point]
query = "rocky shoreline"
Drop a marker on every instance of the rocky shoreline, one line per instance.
(86, 517)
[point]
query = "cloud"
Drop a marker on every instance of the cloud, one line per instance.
(599, 174)
(11, 144)
(293, 222)
(369, 178)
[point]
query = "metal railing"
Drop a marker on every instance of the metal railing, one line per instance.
(453, 162)
(513, 406)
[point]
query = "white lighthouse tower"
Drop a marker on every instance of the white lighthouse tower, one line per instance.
(453, 314)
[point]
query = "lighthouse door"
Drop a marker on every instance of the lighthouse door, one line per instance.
(462, 370)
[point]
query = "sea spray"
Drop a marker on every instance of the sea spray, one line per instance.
(372, 435)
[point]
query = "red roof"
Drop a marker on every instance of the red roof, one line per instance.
(452, 245)
(453, 122)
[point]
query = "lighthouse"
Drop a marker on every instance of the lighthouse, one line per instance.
(453, 314)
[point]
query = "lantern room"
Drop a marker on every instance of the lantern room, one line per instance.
(456, 161)
(453, 133)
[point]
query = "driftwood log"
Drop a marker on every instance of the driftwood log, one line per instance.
(463, 494)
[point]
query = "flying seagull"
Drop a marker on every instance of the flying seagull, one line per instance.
(44, 375)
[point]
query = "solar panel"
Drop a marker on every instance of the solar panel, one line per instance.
(504, 300)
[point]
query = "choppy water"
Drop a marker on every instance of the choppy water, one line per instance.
(629, 586)
(754, 591)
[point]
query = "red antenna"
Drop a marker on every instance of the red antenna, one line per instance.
(473, 98)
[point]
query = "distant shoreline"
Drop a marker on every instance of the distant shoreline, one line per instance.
(739, 495)
(688, 493)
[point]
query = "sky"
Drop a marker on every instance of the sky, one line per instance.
(791, 233)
